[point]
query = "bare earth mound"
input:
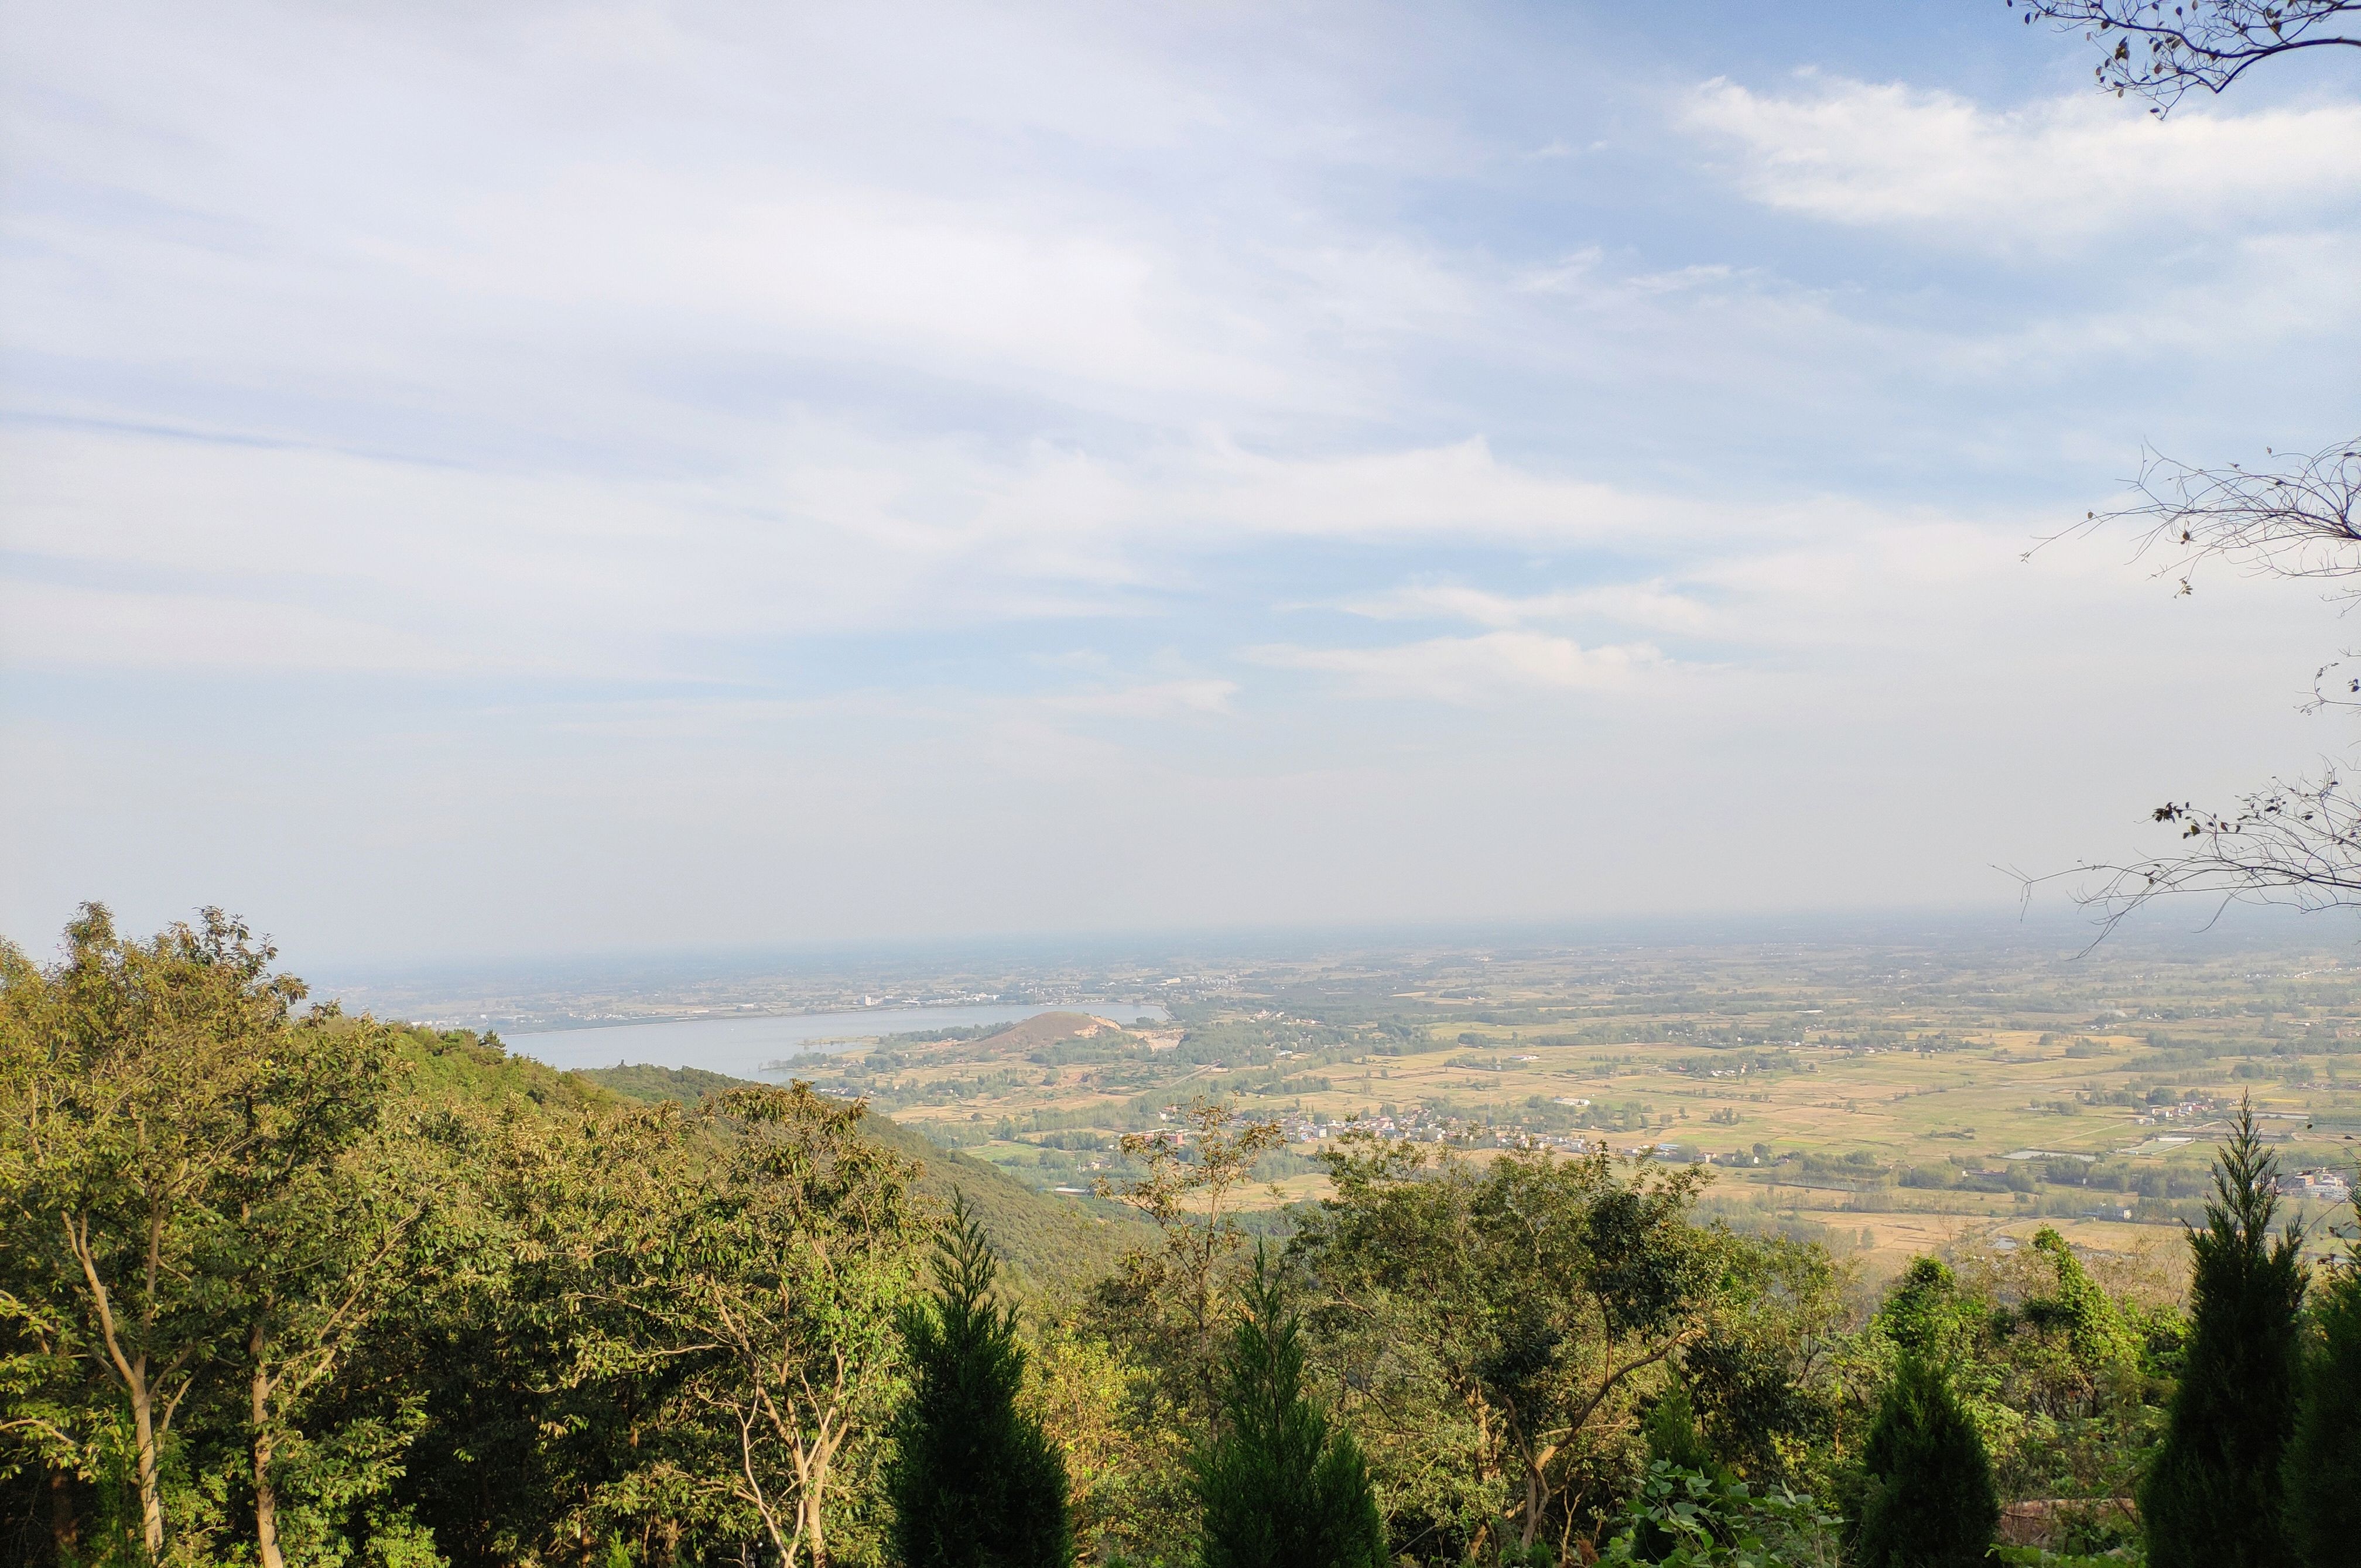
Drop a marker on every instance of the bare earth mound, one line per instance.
(1047, 1030)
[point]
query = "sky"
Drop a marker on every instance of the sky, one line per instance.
(594, 476)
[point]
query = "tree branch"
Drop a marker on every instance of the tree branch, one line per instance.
(2162, 56)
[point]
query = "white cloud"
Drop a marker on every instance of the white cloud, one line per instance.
(2050, 175)
(833, 531)
(729, 409)
(1651, 605)
(1495, 667)
(1461, 490)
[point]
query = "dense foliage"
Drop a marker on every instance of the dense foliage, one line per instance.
(2323, 1460)
(282, 1286)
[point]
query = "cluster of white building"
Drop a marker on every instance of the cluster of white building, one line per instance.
(2321, 1186)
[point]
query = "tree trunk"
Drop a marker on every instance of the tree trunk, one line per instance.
(151, 1480)
(133, 1371)
(65, 1526)
(812, 1531)
(811, 1498)
(266, 1495)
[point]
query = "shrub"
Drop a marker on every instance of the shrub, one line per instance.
(1684, 1519)
(1928, 1501)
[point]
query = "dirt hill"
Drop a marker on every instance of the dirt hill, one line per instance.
(1047, 1030)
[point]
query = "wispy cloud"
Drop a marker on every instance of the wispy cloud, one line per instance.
(624, 454)
(1498, 666)
(2047, 177)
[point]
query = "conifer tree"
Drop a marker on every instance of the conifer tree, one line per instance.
(2323, 1460)
(2212, 1499)
(1281, 1488)
(974, 1483)
(1928, 1501)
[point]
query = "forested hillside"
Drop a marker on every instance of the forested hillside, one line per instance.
(1048, 1243)
(280, 1285)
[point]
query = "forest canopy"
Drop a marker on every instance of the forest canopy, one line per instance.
(285, 1285)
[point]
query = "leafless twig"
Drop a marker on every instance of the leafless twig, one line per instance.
(2161, 52)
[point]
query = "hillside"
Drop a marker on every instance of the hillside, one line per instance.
(1050, 1243)
(458, 1064)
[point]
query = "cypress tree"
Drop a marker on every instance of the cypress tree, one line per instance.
(2212, 1499)
(2324, 1459)
(1928, 1501)
(1280, 1489)
(1671, 1429)
(975, 1482)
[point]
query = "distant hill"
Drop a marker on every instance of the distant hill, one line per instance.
(1047, 1030)
(1051, 1245)
(686, 1084)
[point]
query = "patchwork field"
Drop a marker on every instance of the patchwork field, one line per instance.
(1889, 1098)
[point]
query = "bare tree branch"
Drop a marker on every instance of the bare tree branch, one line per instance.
(2296, 844)
(2161, 52)
(2293, 843)
(2296, 519)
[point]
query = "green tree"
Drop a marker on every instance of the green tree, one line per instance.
(789, 1270)
(1125, 1452)
(1281, 1488)
(2212, 1500)
(1496, 1323)
(2323, 1457)
(1926, 1314)
(1165, 1302)
(2096, 1330)
(130, 1075)
(974, 1483)
(320, 1209)
(1928, 1501)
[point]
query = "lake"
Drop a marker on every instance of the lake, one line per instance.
(742, 1046)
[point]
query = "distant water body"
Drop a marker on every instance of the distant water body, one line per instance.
(744, 1046)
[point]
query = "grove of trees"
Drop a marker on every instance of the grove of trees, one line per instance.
(281, 1285)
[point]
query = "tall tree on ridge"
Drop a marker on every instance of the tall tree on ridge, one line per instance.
(127, 1076)
(2212, 1500)
(975, 1484)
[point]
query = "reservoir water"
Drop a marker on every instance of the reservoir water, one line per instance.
(744, 1046)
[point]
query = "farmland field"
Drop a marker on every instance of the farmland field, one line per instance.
(1886, 1096)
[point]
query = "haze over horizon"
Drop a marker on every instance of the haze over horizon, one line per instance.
(599, 477)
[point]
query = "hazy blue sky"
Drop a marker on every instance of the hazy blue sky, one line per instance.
(555, 476)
